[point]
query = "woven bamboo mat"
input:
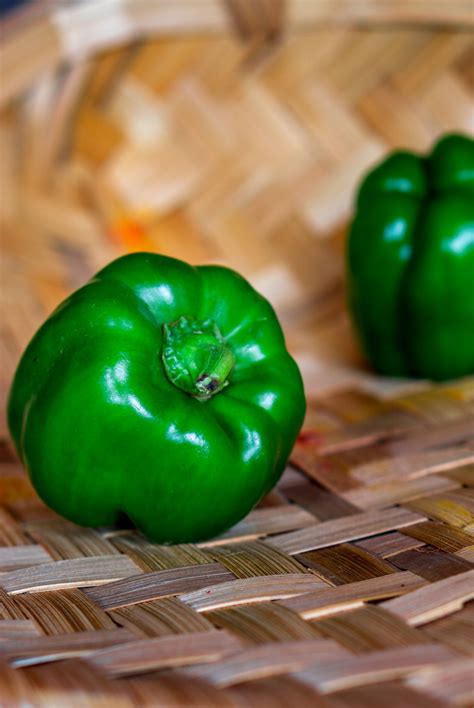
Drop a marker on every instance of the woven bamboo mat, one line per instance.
(352, 584)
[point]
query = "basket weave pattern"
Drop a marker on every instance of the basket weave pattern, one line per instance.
(236, 147)
(236, 132)
(351, 584)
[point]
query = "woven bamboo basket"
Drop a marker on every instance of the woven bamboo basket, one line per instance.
(235, 132)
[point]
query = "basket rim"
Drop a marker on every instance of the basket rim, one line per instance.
(45, 34)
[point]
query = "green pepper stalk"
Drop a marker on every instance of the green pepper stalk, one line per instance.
(196, 357)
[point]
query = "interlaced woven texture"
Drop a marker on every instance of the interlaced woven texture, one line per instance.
(210, 144)
(351, 585)
(236, 132)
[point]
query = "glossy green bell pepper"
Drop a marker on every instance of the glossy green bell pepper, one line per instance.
(411, 262)
(160, 392)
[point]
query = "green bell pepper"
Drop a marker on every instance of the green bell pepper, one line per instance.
(160, 392)
(410, 262)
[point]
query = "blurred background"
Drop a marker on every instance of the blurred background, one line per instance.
(229, 131)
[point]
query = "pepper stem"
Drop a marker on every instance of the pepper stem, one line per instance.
(196, 357)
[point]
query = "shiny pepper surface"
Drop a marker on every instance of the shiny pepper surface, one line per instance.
(160, 392)
(411, 262)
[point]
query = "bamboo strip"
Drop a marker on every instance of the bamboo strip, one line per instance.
(452, 682)
(152, 654)
(442, 536)
(302, 12)
(150, 556)
(14, 557)
(347, 528)
(467, 554)
(390, 694)
(61, 544)
(79, 572)
(369, 628)
(334, 471)
(455, 630)
(59, 611)
(375, 667)
(328, 601)
(272, 660)
(168, 688)
(346, 563)
(254, 20)
(9, 609)
(250, 559)
(37, 650)
(156, 618)
(431, 564)
(352, 406)
(64, 682)
(162, 583)
(41, 44)
(10, 533)
(17, 629)
(409, 122)
(438, 507)
(445, 404)
(320, 502)
(435, 600)
(281, 690)
(380, 494)
(416, 74)
(387, 425)
(389, 544)
(463, 497)
(413, 466)
(263, 522)
(14, 686)
(9, 205)
(463, 475)
(263, 623)
(250, 590)
(453, 433)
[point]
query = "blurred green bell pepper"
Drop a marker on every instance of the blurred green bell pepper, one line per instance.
(410, 262)
(159, 391)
